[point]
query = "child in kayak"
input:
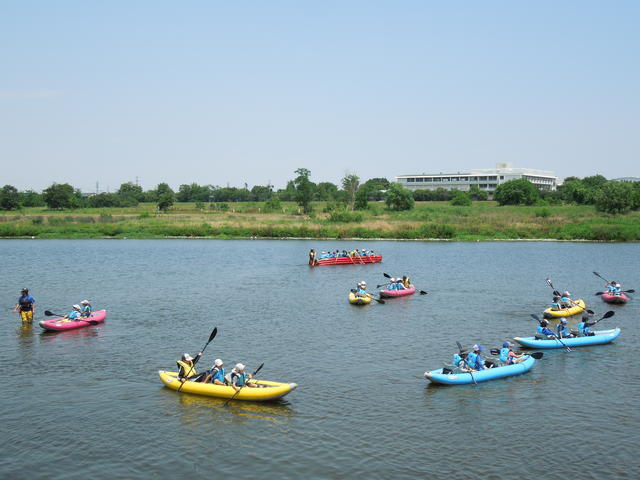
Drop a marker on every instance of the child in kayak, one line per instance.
(74, 315)
(543, 330)
(216, 374)
(187, 368)
(239, 379)
(86, 308)
(583, 327)
(508, 356)
(562, 330)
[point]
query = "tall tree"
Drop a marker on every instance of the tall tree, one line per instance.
(399, 198)
(304, 189)
(350, 184)
(62, 195)
(516, 192)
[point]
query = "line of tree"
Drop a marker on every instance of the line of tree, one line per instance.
(606, 195)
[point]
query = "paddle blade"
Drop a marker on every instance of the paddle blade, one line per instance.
(631, 290)
(537, 355)
(213, 334)
(459, 346)
(609, 314)
(51, 314)
(423, 292)
(494, 351)
(535, 317)
(599, 293)
(590, 312)
(257, 370)
(386, 275)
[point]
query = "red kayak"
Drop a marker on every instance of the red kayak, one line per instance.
(60, 324)
(355, 259)
(398, 293)
(622, 298)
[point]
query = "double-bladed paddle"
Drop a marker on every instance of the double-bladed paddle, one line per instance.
(238, 391)
(90, 322)
(214, 332)
(536, 355)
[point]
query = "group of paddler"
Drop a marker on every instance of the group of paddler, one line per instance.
(396, 286)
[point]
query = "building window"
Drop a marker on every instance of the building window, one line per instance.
(428, 179)
(501, 177)
(411, 179)
(419, 179)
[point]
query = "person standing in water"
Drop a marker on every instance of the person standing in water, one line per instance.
(26, 306)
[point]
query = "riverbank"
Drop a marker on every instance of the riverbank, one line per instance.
(427, 221)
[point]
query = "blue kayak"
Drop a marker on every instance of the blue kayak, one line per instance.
(464, 378)
(600, 337)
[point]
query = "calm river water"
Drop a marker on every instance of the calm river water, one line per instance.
(89, 403)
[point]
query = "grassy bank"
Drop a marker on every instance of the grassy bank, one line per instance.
(428, 220)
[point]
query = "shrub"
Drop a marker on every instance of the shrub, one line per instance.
(345, 217)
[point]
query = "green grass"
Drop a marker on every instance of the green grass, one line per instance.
(428, 220)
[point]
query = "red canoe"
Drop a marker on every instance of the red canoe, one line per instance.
(356, 259)
(398, 293)
(60, 324)
(622, 298)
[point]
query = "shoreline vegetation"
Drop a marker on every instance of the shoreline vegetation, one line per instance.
(481, 221)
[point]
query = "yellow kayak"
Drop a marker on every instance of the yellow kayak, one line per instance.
(578, 307)
(271, 390)
(358, 300)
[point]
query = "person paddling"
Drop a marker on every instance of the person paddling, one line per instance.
(475, 360)
(459, 360)
(583, 327)
(240, 379)
(26, 306)
(543, 329)
(508, 356)
(566, 300)
(74, 314)
(187, 368)
(562, 331)
(216, 374)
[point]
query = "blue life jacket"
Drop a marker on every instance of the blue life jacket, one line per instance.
(241, 378)
(73, 315)
(562, 330)
(583, 328)
(504, 354)
(217, 374)
(457, 359)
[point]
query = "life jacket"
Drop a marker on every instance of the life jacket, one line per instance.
(188, 369)
(583, 328)
(218, 374)
(504, 354)
(25, 303)
(407, 282)
(86, 311)
(241, 378)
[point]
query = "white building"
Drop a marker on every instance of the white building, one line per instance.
(487, 180)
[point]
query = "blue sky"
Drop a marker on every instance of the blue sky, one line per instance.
(246, 92)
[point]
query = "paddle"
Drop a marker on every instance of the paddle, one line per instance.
(211, 337)
(423, 292)
(466, 363)
(536, 355)
(238, 391)
(598, 275)
(379, 300)
(608, 314)
(537, 319)
(90, 322)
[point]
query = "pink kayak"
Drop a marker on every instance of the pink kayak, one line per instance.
(60, 324)
(398, 293)
(622, 298)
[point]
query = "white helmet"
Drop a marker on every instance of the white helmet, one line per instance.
(186, 357)
(218, 362)
(77, 307)
(239, 367)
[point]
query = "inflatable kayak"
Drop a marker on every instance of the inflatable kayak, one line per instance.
(271, 390)
(599, 338)
(620, 299)
(578, 307)
(60, 324)
(465, 378)
(359, 300)
(356, 259)
(398, 293)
